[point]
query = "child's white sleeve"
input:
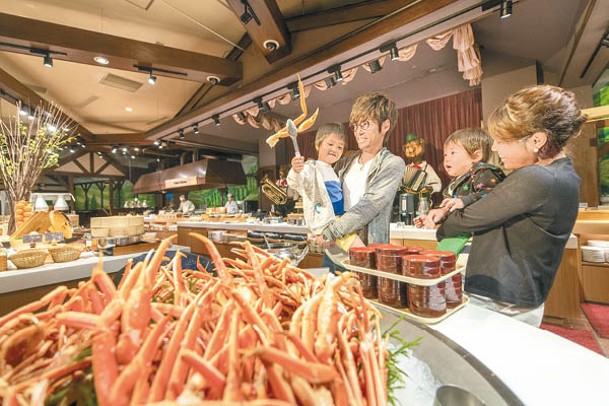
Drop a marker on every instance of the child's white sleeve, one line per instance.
(300, 181)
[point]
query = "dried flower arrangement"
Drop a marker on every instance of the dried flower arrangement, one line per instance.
(28, 145)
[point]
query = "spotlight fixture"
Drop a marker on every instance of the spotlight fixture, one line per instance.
(216, 118)
(248, 13)
(151, 79)
(114, 149)
(392, 48)
(136, 149)
(330, 82)
(48, 61)
(214, 80)
(157, 142)
(261, 105)
(338, 75)
(195, 129)
(72, 150)
(181, 133)
(150, 71)
(375, 66)
(241, 116)
(295, 92)
(506, 9)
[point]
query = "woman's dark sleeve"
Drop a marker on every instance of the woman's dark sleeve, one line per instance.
(524, 191)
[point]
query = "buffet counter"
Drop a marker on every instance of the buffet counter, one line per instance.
(23, 286)
(311, 260)
(540, 367)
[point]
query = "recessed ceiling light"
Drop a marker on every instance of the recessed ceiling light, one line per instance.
(102, 60)
(128, 109)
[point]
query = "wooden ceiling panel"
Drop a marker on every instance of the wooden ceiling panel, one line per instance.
(21, 35)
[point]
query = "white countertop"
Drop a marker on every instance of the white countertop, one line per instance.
(273, 228)
(540, 367)
(411, 233)
(55, 273)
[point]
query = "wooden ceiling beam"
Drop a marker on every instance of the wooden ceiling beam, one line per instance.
(265, 24)
(17, 91)
(122, 139)
(20, 34)
(290, 68)
(355, 12)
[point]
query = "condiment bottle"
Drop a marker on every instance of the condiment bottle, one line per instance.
(365, 257)
(454, 285)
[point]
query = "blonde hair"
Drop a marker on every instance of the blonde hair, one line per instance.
(377, 106)
(472, 140)
(328, 129)
(548, 109)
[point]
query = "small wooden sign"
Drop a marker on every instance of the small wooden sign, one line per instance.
(180, 182)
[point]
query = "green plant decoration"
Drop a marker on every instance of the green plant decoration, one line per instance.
(28, 145)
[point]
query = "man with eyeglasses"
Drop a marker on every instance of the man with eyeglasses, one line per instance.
(371, 177)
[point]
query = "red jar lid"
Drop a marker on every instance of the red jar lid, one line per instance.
(425, 260)
(413, 250)
(443, 255)
(389, 249)
(362, 249)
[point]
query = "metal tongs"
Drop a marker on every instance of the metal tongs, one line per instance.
(293, 132)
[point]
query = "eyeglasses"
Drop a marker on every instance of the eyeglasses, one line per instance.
(364, 126)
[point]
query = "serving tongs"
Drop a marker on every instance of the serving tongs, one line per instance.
(292, 133)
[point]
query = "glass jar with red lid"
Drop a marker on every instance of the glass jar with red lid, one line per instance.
(454, 285)
(365, 257)
(389, 259)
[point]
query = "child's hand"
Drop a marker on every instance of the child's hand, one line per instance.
(452, 204)
(298, 163)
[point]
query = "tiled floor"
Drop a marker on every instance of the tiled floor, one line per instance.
(581, 323)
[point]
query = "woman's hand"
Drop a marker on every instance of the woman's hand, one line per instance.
(452, 204)
(298, 163)
(431, 219)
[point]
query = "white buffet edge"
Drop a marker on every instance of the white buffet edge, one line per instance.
(540, 367)
(57, 273)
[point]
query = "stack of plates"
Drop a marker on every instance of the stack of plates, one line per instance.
(594, 254)
(601, 244)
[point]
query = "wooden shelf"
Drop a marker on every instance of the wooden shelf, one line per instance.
(599, 264)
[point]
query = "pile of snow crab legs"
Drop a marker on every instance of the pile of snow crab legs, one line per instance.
(262, 332)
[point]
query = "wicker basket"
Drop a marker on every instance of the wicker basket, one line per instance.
(29, 258)
(67, 253)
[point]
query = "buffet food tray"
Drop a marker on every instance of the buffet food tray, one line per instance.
(346, 263)
(420, 319)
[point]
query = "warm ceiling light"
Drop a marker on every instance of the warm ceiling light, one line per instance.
(216, 118)
(48, 61)
(181, 133)
(136, 149)
(102, 60)
(157, 142)
(506, 9)
(375, 66)
(151, 79)
(128, 109)
(114, 149)
(214, 80)
(195, 129)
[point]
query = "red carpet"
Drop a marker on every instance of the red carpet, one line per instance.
(599, 317)
(582, 337)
